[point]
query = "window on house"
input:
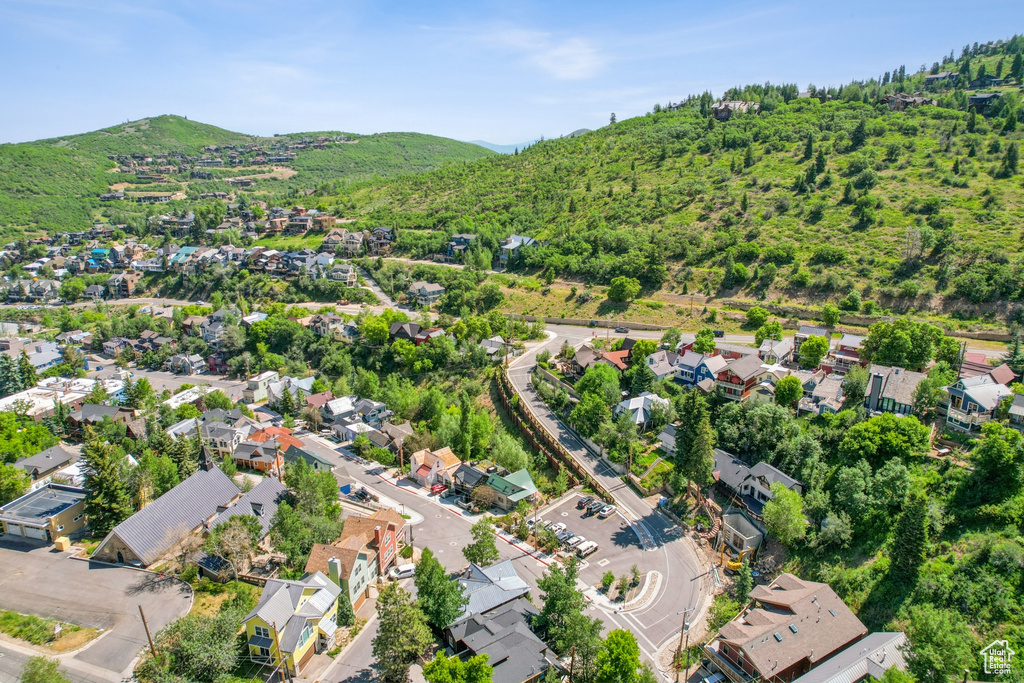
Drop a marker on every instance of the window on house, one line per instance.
(262, 631)
(307, 632)
(78, 518)
(263, 651)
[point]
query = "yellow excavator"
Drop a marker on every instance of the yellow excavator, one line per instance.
(734, 565)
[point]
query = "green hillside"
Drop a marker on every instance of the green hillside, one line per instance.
(52, 185)
(812, 198)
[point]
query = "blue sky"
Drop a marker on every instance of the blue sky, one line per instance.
(505, 72)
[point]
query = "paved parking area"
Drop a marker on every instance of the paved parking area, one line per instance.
(618, 546)
(37, 579)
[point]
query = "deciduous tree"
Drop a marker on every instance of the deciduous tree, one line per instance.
(784, 514)
(440, 597)
(402, 634)
(482, 551)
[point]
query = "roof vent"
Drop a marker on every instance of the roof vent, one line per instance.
(778, 637)
(792, 627)
(832, 612)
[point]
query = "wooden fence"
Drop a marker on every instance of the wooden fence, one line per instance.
(558, 457)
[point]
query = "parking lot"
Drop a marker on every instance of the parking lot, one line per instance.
(618, 546)
(37, 579)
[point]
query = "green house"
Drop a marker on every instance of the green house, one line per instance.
(512, 488)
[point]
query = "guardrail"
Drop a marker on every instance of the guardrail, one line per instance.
(539, 437)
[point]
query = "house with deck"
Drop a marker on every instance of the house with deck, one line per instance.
(973, 401)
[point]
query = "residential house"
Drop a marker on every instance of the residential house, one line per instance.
(293, 621)
(826, 396)
(511, 489)
(429, 467)
(459, 244)
(428, 334)
(46, 513)
(663, 363)
(193, 325)
(487, 588)
(404, 331)
(891, 390)
(901, 101)
(223, 438)
(585, 358)
(667, 439)
(381, 240)
(68, 392)
(1016, 413)
(511, 247)
(319, 400)
(805, 331)
(263, 456)
(325, 324)
(332, 240)
(338, 410)
(213, 331)
(497, 349)
(776, 352)
(866, 660)
(43, 464)
(343, 272)
(95, 292)
(941, 77)
(114, 346)
(217, 363)
(425, 293)
(152, 532)
(91, 414)
(752, 486)
(187, 364)
(740, 376)
(256, 388)
(293, 385)
(503, 635)
(976, 363)
(692, 368)
(353, 244)
(982, 101)
(396, 435)
(973, 401)
(846, 355)
(318, 464)
(723, 110)
(789, 627)
(641, 408)
(122, 285)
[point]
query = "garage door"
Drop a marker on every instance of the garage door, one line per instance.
(35, 533)
(13, 529)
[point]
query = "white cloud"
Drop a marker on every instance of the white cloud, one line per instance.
(568, 59)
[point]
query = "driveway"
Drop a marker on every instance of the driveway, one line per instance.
(42, 581)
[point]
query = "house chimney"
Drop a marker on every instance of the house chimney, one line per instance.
(334, 570)
(876, 390)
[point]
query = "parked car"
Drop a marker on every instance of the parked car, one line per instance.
(530, 523)
(622, 330)
(595, 507)
(438, 488)
(565, 536)
(714, 678)
(719, 334)
(403, 571)
(584, 502)
(606, 512)
(575, 541)
(586, 548)
(557, 528)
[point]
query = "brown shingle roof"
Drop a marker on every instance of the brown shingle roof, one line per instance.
(346, 551)
(792, 620)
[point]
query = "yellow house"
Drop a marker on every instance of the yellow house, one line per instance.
(45, 514)
(293, 621)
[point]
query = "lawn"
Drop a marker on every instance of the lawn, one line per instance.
(40, 631)
(293, 243)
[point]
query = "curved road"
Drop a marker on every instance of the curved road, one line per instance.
(686, 577)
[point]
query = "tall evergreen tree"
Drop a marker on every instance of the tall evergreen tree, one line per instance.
(1015, 355)
(439, 596)
(402, 635)
(107, 497)
(809, 148)
(859, 135)
(910, 538)
(26, 371)
(10, 379)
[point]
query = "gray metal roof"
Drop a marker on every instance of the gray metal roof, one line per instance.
(52, 458)
(279, 605)
(260, 503)
(872, 656)
(504, 635)
(490, 587)
(151, 531)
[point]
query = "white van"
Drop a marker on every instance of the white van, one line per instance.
(403, 571)
(587, 548)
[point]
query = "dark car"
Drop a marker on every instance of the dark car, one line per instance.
(584, 502)
(622, 330)
(719, 333)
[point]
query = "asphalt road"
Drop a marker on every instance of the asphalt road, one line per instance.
(161, 380)
(39, 580)
(13, 662)
(684, 574)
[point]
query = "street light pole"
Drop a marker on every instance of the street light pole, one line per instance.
(685, 629)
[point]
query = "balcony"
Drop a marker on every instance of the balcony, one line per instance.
(957, 418)
(723, 664)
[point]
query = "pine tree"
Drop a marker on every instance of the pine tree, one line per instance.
(1010, 123)
(286, 404)
(1017, 68)
(26, 371)
(402, 635)
(809, 148)
(1010, 161)
(848, 193)
(859, 135)
(107, 499)
(819, 161)
(972, 121)
(345, 616)
(10, 379)
(910, 538)
(1015, 355)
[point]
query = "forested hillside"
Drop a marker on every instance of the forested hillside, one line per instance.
(53, 185)
(831, 195)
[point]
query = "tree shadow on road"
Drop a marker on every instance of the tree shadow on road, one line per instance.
(152, 585)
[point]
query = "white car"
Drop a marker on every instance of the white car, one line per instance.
(606, 511)
(403, 571)
(575, 541)
(586, 548)
(557, 528)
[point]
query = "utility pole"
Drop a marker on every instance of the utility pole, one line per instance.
(572, 662)
(149, 637)
(685, 629)
(280, 655)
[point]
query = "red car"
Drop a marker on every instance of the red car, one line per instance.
(438, 488)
